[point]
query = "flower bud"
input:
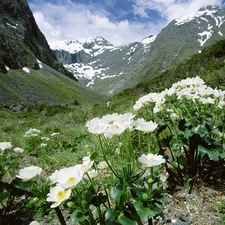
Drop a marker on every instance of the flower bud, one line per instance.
(150, 180)
(145, 196)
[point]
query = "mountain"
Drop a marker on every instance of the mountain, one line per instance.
(94, 59)
(30, 73)
(110, 69)
(22, 43)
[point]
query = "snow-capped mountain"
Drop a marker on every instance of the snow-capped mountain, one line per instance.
(100, 65)
(95, 58)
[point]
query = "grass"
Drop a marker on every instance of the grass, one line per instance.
(63, 149)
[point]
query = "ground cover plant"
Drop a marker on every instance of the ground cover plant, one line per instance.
(119, 167)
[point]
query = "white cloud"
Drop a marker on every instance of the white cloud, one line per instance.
(172, 9)
(53, 32)
(76, 21)
(69, 20)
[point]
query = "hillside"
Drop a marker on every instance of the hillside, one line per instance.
(209, 65)
(25, 86)
(22, 42)
(30, 73)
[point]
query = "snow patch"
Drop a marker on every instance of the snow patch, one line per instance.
(148, 40)
(39, 63)
(200, 13)
(26, 69)
(204, 36)
(220, 33)
(13, 26)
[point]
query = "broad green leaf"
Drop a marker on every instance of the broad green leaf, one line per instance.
(94, 156)
(125, 220)
(201, 130)
(19, 184)
(123, 164)
(112, 181)
(212, 153)
(144, 212)
(110, 214)
(77, 216)
(116, 192)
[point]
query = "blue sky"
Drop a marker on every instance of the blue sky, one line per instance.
(118, 21)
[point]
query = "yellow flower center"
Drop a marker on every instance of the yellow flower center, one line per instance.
(71, 180)
(61, 195)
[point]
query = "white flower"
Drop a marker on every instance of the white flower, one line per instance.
(17, 149)
(29, 172)
(45, 138)
(118, 126)
(5, 145)
(150, 160)
(69, 177)
(53, 134)
(85, 166)
(57, 195)
(32, 133)
(145, 126)
(54, 177)
(96, 126)
(34, 223)
(103, 165)
(92, 173)
(110, 118)
(43, 144)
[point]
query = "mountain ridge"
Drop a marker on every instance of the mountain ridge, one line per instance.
(112, 72)
(22, 43)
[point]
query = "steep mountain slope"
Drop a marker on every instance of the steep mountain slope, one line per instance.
(114, 69)
(22, 43)
(30, 74)
(209, 65)
(94, 59)
(46, 86)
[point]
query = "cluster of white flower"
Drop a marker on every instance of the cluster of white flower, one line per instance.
(189, 88)
(67, 179)
(151, 160)
(5, 145)
(115, 124)
(29, 173)
(157, 98)
(32, 133)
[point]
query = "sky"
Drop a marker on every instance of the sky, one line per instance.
(118, 21)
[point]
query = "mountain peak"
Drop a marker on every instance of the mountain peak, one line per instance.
(212, 7)
(77, 45)
(207, 10)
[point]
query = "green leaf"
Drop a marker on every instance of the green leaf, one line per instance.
(94, 156)
(125, 220)
(77, 216)
(112, 181)
(116, 192)
(110, 214)
(123, 164)
(144, 212)
(19, 184)
(212, 153)
(201, 130)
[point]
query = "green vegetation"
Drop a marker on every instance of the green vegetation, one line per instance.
(209, 65)
(54, 137)
(44, 87)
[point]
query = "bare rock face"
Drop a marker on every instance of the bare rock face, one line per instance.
(21, 41)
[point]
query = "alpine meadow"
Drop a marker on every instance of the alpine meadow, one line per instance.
(97, 134)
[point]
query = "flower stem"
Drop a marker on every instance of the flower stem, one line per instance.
(60, 216)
